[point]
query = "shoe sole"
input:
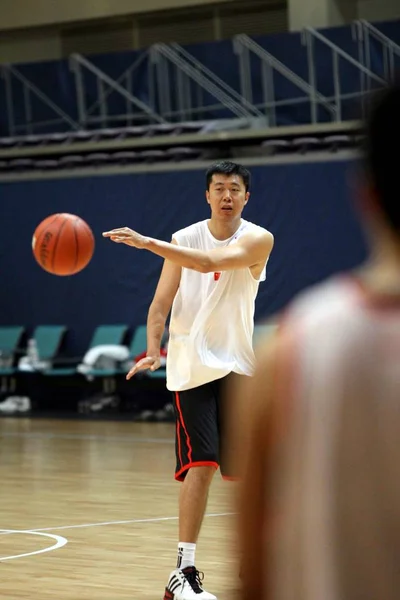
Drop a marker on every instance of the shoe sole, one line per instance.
(169, 595)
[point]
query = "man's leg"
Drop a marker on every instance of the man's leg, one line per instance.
(193, 501)
(197, 458)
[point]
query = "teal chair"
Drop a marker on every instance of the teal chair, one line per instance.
(10, 339)
(108, 334)
(263, 330)
(103, 334)
(139, 341)
(139, 345)
(48, 340)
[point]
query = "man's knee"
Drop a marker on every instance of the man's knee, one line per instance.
(201, 473)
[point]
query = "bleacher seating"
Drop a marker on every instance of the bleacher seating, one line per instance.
(128, 158)
(118, 134)
(222, 113)
(215, 89)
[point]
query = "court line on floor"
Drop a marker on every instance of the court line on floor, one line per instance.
(128, 522)
(131, 439)
(60, 542)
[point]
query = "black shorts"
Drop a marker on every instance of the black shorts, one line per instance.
(200, 420)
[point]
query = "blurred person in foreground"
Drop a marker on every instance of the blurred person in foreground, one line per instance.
(319, 500)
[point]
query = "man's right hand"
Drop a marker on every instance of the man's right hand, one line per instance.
(150, 362)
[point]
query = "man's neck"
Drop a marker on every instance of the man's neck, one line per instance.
(223, 231)
(382, 272)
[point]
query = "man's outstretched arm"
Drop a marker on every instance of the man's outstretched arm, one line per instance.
(248, 251)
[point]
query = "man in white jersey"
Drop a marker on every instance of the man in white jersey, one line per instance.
(319, 509)
(210, 278)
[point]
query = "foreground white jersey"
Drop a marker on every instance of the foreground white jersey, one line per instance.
(337, 480)
(212, 318)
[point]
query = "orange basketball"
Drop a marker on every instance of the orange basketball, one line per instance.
(63, 244)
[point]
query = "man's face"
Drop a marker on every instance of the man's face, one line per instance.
(227, 196)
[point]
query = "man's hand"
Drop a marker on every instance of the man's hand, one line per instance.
(150, 362)
(125, 235)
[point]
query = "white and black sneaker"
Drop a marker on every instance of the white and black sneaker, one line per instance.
(185, 584)
(15, 404)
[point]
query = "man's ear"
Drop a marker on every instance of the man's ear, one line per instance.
(208, 196)
(247, 197)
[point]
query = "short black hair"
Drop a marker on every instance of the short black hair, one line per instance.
(228, 168)
(382, 155)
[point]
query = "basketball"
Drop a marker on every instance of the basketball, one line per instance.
(63, 244)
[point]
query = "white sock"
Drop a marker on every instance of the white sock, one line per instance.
(186, 554)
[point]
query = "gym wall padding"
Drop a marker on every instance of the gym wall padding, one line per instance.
(308, 206)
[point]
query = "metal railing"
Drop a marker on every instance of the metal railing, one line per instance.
(309, 36)
(77, 63)
(187, 71)
(244, 45)
(181, 88)
(125, 80)
(9, 73)
(363, 33)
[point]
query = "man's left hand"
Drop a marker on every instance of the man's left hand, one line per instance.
(125, 235)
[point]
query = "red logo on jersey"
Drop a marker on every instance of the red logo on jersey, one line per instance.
(217, 276)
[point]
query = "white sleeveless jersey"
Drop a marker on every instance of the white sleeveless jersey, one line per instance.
(337, 471)
(212, 317)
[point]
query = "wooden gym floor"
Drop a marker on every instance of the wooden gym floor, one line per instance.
(88, 512)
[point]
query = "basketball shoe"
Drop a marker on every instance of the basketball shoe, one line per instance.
(186, 584)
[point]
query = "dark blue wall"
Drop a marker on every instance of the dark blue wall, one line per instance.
(306, 206)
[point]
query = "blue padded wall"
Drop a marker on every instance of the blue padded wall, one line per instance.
(307, 207)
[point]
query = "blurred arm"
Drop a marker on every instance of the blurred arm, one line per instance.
(250, 453)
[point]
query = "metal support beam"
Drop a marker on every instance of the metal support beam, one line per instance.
(115, 86)
(9, 72)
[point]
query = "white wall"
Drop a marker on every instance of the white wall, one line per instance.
(33, 34)
(378, 10)
(321, 13)
(313, 13)
(327, 13)
(16, 14)
(30, 46)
